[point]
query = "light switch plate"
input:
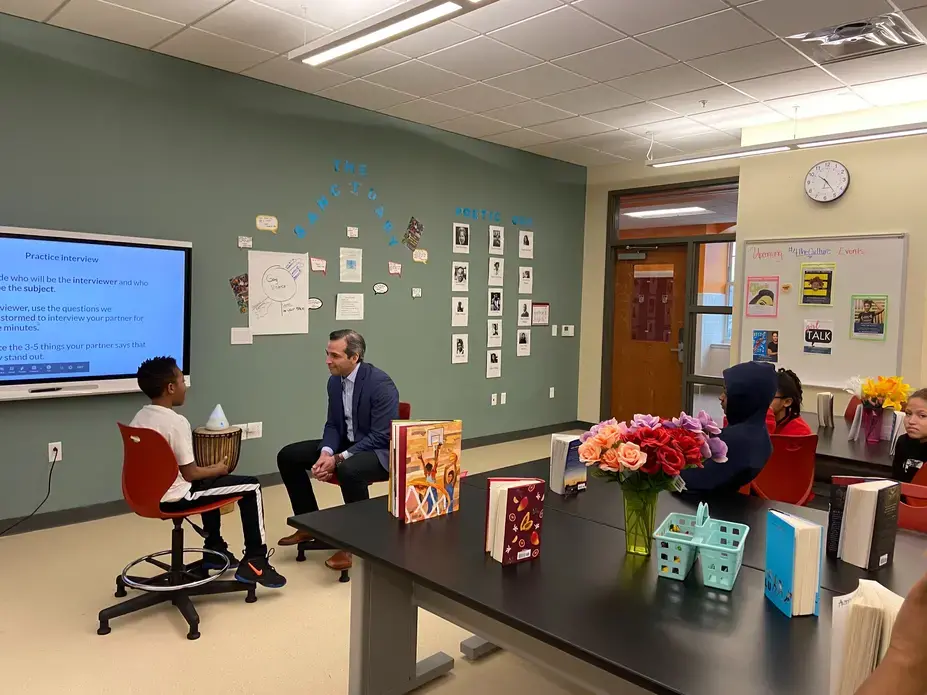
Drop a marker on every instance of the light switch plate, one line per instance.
(567, 331)
(502, 399)
(553, 330)
(551, 391)
(494, 399)
(244, 430)
(255, 430)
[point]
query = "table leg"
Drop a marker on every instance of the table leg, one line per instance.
(476, 647)
(384, 626)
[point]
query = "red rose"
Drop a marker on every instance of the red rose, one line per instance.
(671, 459)
(653, 439)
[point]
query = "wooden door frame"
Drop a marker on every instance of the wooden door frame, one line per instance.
(614, 245)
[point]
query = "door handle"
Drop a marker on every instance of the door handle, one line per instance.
(678, 351)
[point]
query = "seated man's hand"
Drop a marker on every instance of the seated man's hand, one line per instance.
(324, 468)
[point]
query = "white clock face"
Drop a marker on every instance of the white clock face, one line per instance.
(827, 181)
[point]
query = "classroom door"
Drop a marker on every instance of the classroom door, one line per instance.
(648, 360)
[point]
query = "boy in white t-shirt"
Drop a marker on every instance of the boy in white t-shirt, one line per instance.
(162, 381)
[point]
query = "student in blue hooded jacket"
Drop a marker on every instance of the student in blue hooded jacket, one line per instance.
(748, 390)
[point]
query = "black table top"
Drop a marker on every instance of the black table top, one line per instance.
(602, 502)
(586, 597)
(833, 444)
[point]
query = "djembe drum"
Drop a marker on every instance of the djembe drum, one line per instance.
(212, 447)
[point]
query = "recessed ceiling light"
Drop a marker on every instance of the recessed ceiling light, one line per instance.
(666, 212)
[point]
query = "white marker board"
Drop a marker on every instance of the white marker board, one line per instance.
(867, 264)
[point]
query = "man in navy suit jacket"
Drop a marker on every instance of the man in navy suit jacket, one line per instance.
(354, 449)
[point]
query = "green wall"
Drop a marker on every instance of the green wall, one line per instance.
(100, 137)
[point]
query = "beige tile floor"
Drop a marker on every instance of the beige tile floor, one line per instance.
(291, 641)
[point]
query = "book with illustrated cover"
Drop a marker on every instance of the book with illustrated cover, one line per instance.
(514, 517)
(794, 557)
(424, 471)
(567, 472)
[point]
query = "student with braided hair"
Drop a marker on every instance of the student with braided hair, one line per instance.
(784, 415)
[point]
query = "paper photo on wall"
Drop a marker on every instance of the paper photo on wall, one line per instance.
(762, 296)
(525, 280)
(525, 244)
(523, 342)
(496, 240)
(495, 302)
(766, 346)
(496, 272)
(493, 364)
(817, 284)
(869, 316)
(524, 312)
(460, 276)
(819, 337)
(460, 311)
(350, 264)
(494, 333)
(461, 238)
(460, 348)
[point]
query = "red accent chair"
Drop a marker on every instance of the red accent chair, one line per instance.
(850, 412)
(148, 469)
(788, 476)
(912, 510)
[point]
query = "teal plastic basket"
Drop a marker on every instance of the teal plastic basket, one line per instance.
(718, 545)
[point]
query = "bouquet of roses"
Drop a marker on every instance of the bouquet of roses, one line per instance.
(650, 452)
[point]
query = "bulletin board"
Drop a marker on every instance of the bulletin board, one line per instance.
(823, 284)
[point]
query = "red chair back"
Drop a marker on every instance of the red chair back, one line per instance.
(148, 469)
(788, 476)
(850, 412)
(405, 411)
(912, 514)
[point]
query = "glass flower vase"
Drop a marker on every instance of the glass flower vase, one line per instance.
(640, 508)
(872, 424)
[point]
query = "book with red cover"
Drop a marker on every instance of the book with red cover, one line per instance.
(514, 518)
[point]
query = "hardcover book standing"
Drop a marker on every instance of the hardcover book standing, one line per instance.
(794, 557)
(514, 516)
(424, 469)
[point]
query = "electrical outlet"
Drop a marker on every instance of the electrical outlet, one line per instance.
(566, 331)
(502, 399)
(244, 431)
(553, 330)
(54, 452)
(551, 391)
(493, 400)
(255, 430)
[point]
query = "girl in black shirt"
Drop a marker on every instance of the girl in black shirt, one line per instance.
(911, 447)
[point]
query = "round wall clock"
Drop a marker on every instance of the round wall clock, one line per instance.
(827, 181)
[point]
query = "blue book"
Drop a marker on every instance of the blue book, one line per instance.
(794, 561)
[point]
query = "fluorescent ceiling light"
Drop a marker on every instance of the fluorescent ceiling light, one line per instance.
(719, 157)
(667, 212)
(863, 138)
(383, 34)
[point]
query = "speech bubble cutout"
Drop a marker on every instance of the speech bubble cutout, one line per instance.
(380, 288)
(318, 265)
(420, 256)
(266, 223)
(416, 293)
(395, 268)
(299, 232)
(314, 303)
(353, 232)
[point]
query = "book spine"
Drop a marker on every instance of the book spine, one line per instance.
(838, 497)
(402, 466)
(884, 528)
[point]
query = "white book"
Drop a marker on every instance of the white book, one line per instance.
(870, 516)
(567, 472)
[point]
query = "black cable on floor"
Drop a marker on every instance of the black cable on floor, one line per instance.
(47, 494)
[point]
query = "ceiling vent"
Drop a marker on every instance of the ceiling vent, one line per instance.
(886, 32)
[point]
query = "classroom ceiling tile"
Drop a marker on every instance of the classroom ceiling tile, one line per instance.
(618, 59)
(704, 100)
(596, 97)
(504, 12)
(114, 23)
(739, 117)
(261, 26)
(910, 4)
(202, 47)
(575, 154)
(334, 14)
(424, 111)
(540, 81)
(904, 90)
(573, 128)
(716, 33)
(366, 95)
(827, 103)
(529, 113)
(636, 114)
(788, 17)
(883, 66)
(787, 84)
(612, 142)
(523, 137)
(415, 77)
(477, 98)
(481, 58)
(665, 130)
(746, 63)
(664, 82)
(475, 126)
(557, 33)
(366, 63)
(709, 140)
(918, 18)
(183, 11)
(635, 17)
(296, 75)
(39, 10)
(432, 39)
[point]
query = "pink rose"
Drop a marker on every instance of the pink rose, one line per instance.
(630, 456)
(611, 461)
(589, 452)
(609, 434)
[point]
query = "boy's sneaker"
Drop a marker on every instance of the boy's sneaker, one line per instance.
(211, 562)
(258, 570)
